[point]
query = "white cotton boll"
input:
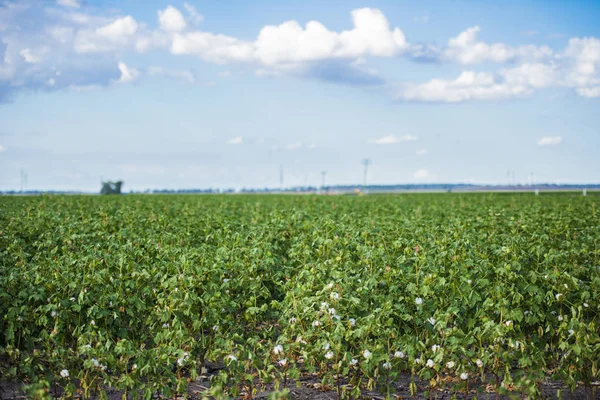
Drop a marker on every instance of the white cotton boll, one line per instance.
(419, 301)
(430, 363)
(278, 349)
(282, 362)
(399, 354)
(354, 361)
(464, 376)
(352, 321)
(366, 354)
(329, 355)
(64, 373)
(450, 364)
(316, 324)
(387, 365)
(479, 363)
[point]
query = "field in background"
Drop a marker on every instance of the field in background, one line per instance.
(147, 294)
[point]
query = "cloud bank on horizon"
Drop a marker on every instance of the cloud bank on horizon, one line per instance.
(67, 45)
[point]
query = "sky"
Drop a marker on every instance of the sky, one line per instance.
(205, 94)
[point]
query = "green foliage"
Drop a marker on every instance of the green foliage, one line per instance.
(141, 292)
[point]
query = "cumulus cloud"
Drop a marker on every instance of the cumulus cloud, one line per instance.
(392, 139)
(469, 85)
(466, 49)
(86, 47)
(2, 148)
(127, 74)
(291, 43)
(171, 20)
(112, 36)
(422, 152)
(235, 140)
(550, 141)
(584, 55)
(30, 57)
(589, 92)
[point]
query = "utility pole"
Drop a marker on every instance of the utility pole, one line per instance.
(323, 174)
(366, 162)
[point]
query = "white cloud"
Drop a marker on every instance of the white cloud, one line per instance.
(235, 140)
(422, 152)
(550, 141)
(2, 148)
(68, 3)
(290, 48)
(589, 92)
(211, 47)
(109, 37)
(119, 28)
(585, 68)
(193, 15)
(290, 43)
(465, 49)
(421, 174)
(391, 139)
(127, 74)
(171, 20)
(30, 57)
(469, 85)
(531, 75)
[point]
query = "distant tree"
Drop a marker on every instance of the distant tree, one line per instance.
(111, 187)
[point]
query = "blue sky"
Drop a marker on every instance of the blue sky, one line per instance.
(174, 94)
